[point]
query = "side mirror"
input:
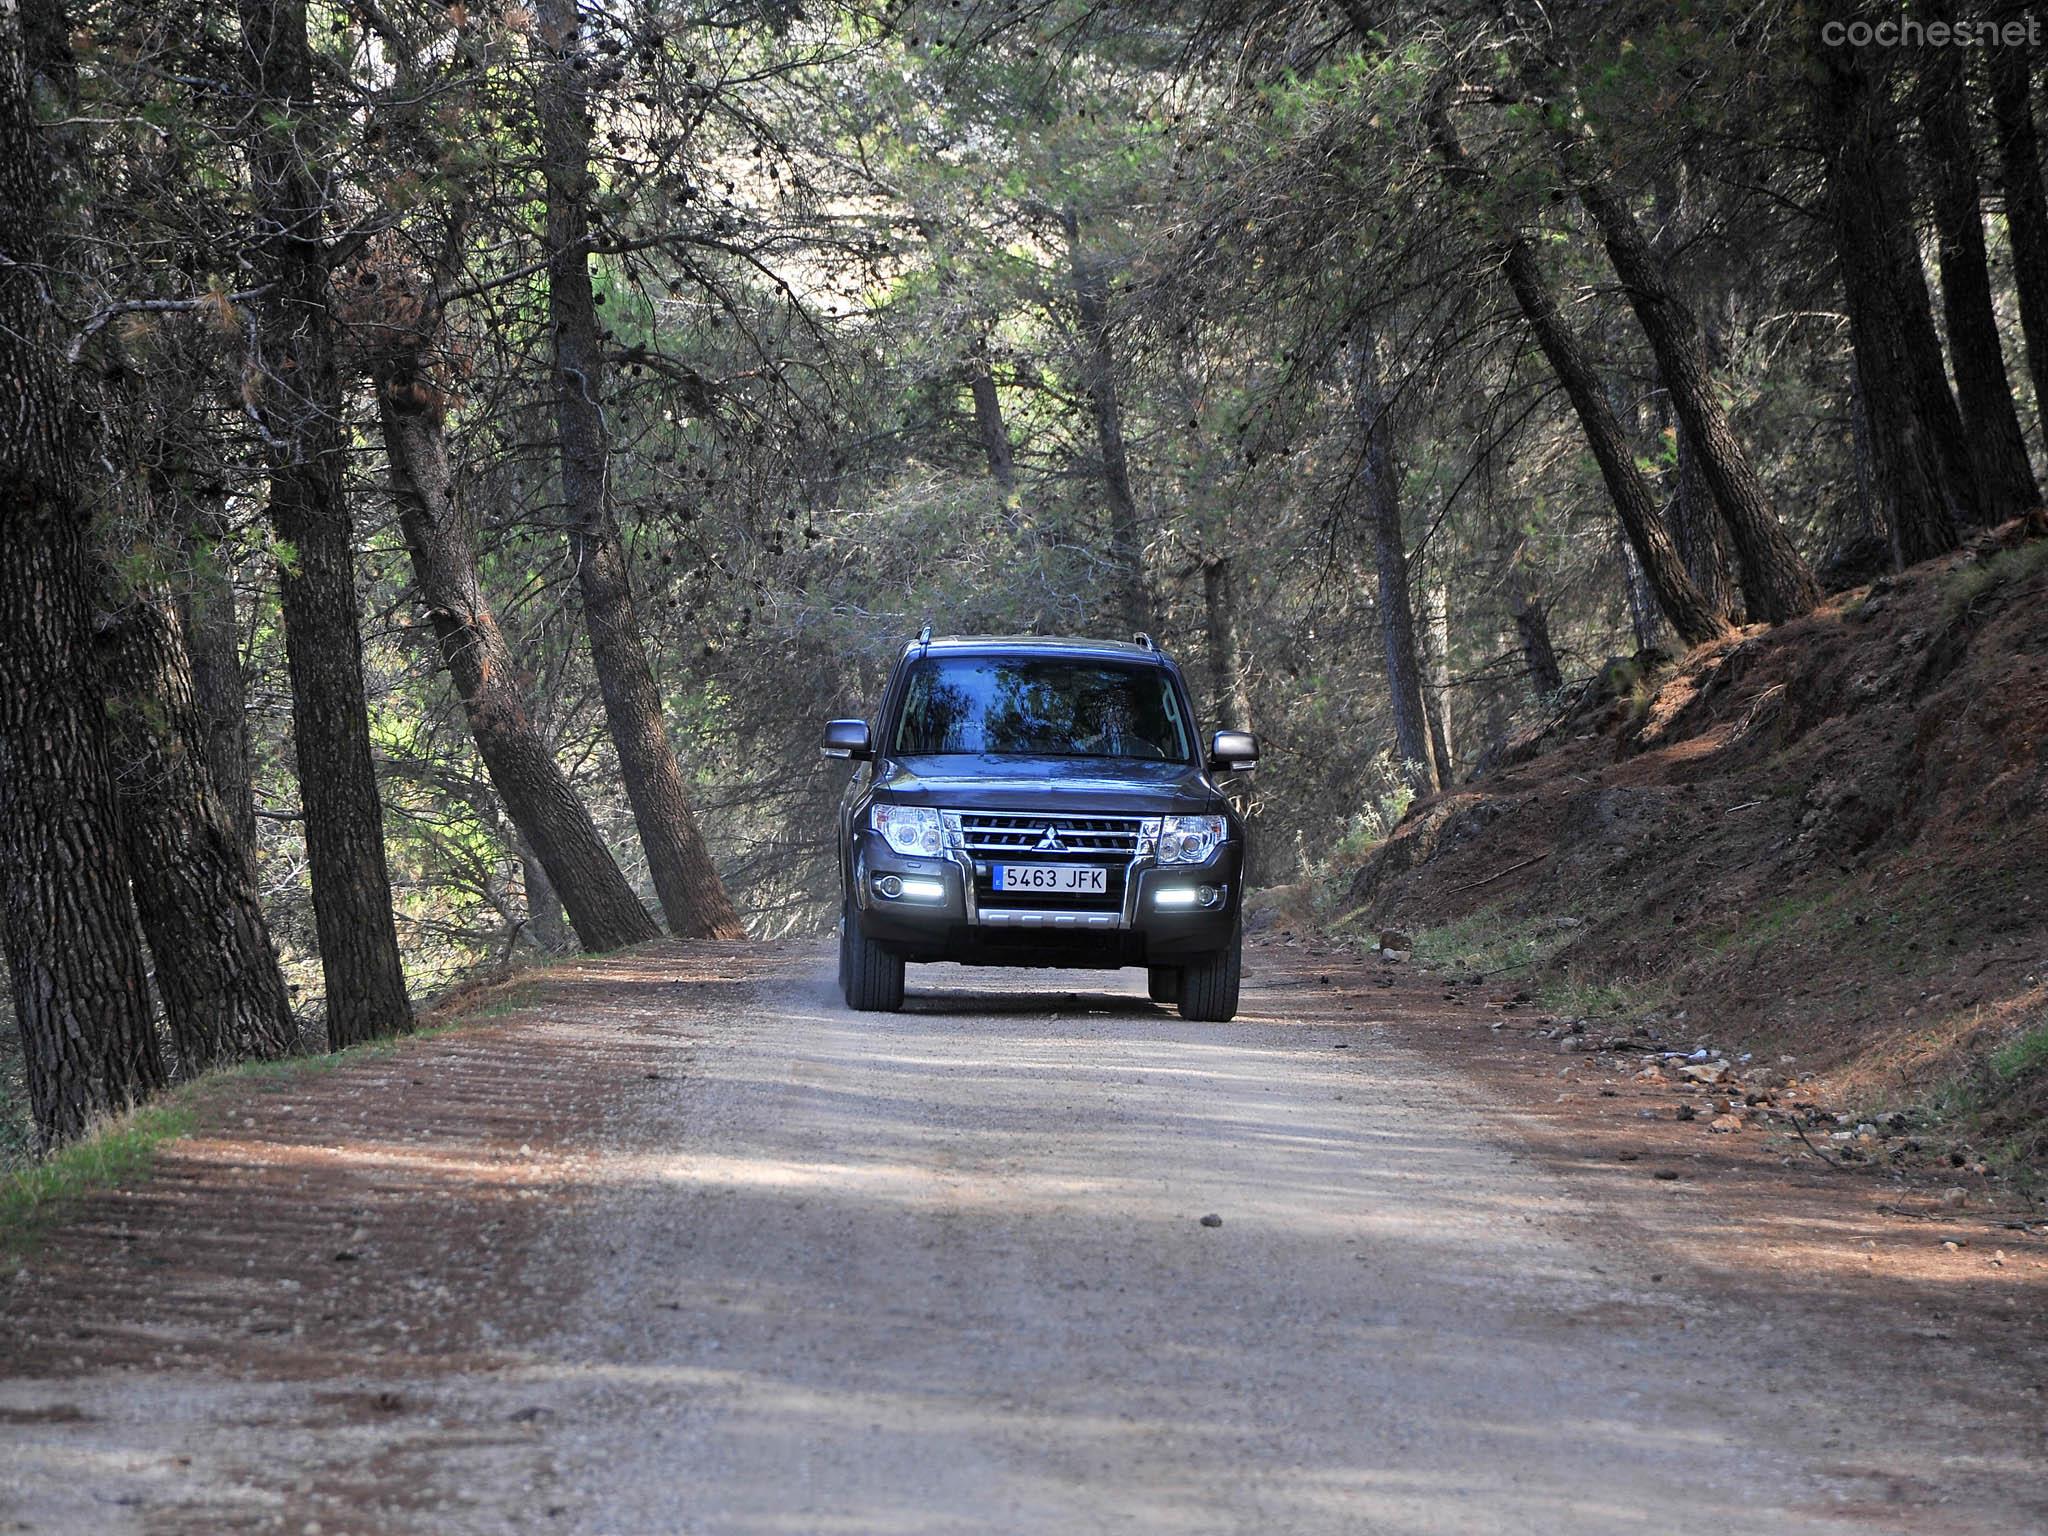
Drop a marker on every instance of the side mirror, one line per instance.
(1233, 751)
(847, 738)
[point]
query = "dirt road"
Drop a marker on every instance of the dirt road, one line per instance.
(677, 1245)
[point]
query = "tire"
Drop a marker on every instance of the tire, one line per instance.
(869, 975)
(1162, 983)
(845, 956)
(1208, 986)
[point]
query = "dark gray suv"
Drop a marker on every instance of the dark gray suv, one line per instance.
(1025, 801)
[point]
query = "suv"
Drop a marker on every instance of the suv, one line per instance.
(1026, 801)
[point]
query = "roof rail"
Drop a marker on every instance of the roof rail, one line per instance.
(924, 636)
(1146, 641)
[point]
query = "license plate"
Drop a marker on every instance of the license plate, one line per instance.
(1065, 879)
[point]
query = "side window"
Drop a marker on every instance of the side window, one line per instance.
(910, 708)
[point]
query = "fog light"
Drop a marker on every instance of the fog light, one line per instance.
(1209, 895)
(889, 886)
(924, 890)
(1175, 896)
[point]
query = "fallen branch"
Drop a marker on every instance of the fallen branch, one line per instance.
(1498, 873)
(1835, 1163)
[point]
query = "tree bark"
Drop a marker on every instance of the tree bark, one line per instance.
(1379, 478)
(544, 919)
(1871, 515)
(206, 613)
(186, 507)
(1998, 451)
(194, 878)
(1924, 469)
(692, 896)
(1697, 528)
(300, 412)
(2026, 203)
(988, 422)
(1532, 629)
(1691, 615)
(1098, 371)
(1230, 701)
(1642, 603)
(1436, 608)
(80, 988)
(1776, 583)
(537, 795)
(1696, 525)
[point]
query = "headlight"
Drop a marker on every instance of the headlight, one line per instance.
(1190, 839)
(912, 829)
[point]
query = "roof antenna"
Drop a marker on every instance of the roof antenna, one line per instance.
(1146, 641)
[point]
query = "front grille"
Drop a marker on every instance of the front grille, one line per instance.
(1018, 837)
(1109, 900)
(1012, 834)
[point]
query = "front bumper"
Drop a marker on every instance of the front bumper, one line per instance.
(960, 926)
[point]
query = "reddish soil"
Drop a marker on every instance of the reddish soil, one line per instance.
(1828, 839)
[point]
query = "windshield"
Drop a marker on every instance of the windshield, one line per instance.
(1022, 706)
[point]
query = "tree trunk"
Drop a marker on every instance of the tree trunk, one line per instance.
(1532, 629)
(206, 613)
(1436, 607)
(1871, 515)
(1776, 584)
(1696, 524)
(1098, 371)
(544, 922)
(1689, 612)
(1998, 452)
(988, 422)
(300, 412)
(2026, 203)
(194, 878)
(1696, 527)
(80, 989)
(187, 509)
(1642, 604)
(536, 794)
(1917, 433)
(692, 896)
(1380, 476)
(1230, 701)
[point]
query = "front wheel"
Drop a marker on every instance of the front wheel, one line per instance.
(1208, 986)
(869, 975)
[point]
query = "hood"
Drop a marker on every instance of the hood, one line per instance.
(1109, 786)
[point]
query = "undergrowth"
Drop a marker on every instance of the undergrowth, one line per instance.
(1962, 588)
(1489, 943)
(2007, 1102)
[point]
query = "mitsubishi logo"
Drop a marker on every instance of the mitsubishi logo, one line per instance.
(1049, 841)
